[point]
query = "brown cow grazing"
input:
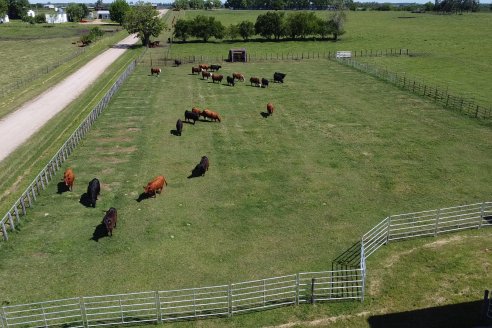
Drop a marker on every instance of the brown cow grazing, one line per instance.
(179, 127)
(155, 186)
(204, 67)
(196, 110)
(155, 70)
(69, 178)
(270, 108)
(238, 76)
(206, 113)
(110, 220)
(255, 81)
(195, 70)
(205, 75)
(217, 77)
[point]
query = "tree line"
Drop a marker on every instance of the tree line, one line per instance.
(271, 26)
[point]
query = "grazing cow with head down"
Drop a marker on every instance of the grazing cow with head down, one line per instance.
(202, 167)
(238, 76)
(264, 83)
(155, 186)
(270, 108)
(230, 80)
(206, 75)
(215, 67)
(155, 70)
(205, 67)
(195, 70)
(69, 178)
(207, 113)
(196, 110)
(217, 77)
(278, 77)
(93, 191)
(177, 62)
(255, 81)
(110, 220)
(179, 127)
(191, 116)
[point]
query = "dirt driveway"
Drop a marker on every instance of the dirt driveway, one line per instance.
(20, 125)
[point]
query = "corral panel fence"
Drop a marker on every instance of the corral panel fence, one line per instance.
(427, 223)
(264, 57)
(188, 304)
(435, 93)
(40, 182)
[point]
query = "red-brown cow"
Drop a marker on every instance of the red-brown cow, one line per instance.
(238, 76)
(205, 67)
(206, 75)
(270, 108)
(155, 70)
(217, 77)
(69, 178)
(155, 186)
(206, 113)
(255, 81)
(196, 110)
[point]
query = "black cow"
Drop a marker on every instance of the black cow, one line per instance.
(177, 62)
(278, 77)
(110, 220)
(179, 127)
(191, 116)
(264, 83)
(230, 80)
(215, 67)
(93, 191)
(202, 167)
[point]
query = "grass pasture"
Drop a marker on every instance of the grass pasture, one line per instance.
(284, 194)
(449, 50)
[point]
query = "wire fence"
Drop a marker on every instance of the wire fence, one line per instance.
(167, 60)
(40, 182)
(33, 75)
(435, 93)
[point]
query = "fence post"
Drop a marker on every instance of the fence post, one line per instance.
(158, 306)
(482, 215)
(297, 289)
(229, 298)
(476, 112)
(485, 306)
(23, 205)
(437, 222)
(11, 221)
(83, 313)
(313, 281)
(388, 226)
(4, 231)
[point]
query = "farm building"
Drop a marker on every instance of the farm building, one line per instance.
(4, 19)
(237, 55)
(102, 14)
(56, 19)
(31, 13)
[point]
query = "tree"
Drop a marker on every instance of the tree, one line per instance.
(182, 29)
(207, 27)
(197, 4)
(181, 4)
(75, 12)
(271, 24)
(117, 10)
(301, 24)
(336, 22)
(236, 4)
(4, 8)
(143, 19)
(17, 9)
(217, 3)
(246, 29)
(232, 31)
(40, 18)
(99, 5)
(429, 6)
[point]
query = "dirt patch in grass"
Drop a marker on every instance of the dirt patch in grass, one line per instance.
(114, 160)
(442, 242)
(323, 322)
(133, 129)
(115, 139)
(116, 150)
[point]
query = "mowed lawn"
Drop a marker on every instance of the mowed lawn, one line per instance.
(284, 194)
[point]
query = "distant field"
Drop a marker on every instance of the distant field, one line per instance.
(452, 50)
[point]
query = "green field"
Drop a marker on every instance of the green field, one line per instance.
(284, 194)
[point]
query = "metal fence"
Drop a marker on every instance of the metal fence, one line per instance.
(33, 75)
(186, 304)
(438, 95)
(40, 182)
(427, 223)
(278, 56)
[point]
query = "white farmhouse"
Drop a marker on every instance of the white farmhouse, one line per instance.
(56, 18)
(102, 14)
(4, 19)
(31, 13)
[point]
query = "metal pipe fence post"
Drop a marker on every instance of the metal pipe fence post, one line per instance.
(83, 313)
(4, 231)
(158, 307)
(229, 299)
(44, 317)
(482, 215)
(388, 226)
(313, 281)
(297, 289)
(437, 222)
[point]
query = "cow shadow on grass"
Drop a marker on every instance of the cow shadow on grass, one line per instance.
(195, 173)
(175, 133)
(61, 187)
(264, 114)
(143, 196)
(99, 232)
(85, 200)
